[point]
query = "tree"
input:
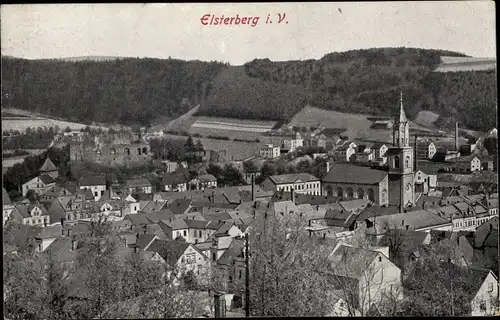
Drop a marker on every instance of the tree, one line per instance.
(250, 167)
(268, 169)
(285, 277)
(439, 287)
(303, 166)
(68, 129)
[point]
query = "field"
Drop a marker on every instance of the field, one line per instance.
(456, 64)
(181, 124)
(233, 128)
(236, 150)
(426, 118)
(14, 119)
(358, 125)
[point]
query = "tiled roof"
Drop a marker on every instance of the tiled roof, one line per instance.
(140, 182)
(416, 219)
(48, 166)
(292, 177)
(46, 179)
(179, 206)
(349, 173)
(5, 198)
(207, 178)
(169, 250)
(175, 178)
(144, 240)
(92, 181)
(351, 262)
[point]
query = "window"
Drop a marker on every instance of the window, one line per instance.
(379, 259)
(185, 233)
(240, 275)
(96, 194)
(407, 162)
(214, 256)
(482, 306)
(201, 234)
(490, 287)
(396, 162)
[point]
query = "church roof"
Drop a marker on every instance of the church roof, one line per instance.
(350, 173)
(402, 115)
(48, 166)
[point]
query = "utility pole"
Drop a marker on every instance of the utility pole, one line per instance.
(247, 278)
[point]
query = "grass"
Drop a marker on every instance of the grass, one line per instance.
(236, 150)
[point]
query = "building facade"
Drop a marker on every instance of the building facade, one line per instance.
(400, 159)
(270, 151)
(111, 149)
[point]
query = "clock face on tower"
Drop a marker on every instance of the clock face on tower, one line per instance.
(408, 187)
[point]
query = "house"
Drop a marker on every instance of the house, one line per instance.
(379, 149)
(467, 164)
(207, 181)
(183, 257)
(33, 215)
(96, 184)
(49, 168)
(139, 185)
(292, 142)
(348, 181)
(369, 275)
(299, 182)
(176, 181)
(170, 166)
(486, 293)
(424, 182)
(345, 153)
(7, 206)
(48, 235)
(39, 185)
(367, 155)
(425, 150)
(270, 151)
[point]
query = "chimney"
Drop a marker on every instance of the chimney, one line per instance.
(73, 245)
(253, 188)
(293, 196)
(327, 166)
(213, 197)
(456, 136)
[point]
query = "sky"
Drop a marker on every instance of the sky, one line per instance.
(307, 31)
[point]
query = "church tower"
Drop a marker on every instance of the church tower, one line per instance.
(401, 162)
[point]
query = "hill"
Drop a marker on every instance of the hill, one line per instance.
(125, 91)
(130, 91)
(369, 82)
(235, 94)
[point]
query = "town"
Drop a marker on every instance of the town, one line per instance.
(385, 218)
(338, 160)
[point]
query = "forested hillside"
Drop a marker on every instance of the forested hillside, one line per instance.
(369, 81)
(131, 91)
(126, 91)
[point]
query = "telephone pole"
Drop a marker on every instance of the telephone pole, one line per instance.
(247, 279)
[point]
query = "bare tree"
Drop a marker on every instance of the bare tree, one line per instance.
(285, 277)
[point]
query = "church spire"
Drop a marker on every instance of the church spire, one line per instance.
(402, 115)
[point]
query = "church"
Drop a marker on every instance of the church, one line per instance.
(394, 187)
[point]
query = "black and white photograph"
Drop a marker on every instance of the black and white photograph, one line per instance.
(236, 160)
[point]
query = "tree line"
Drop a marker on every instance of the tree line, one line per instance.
(125, 91)
(32, 138)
